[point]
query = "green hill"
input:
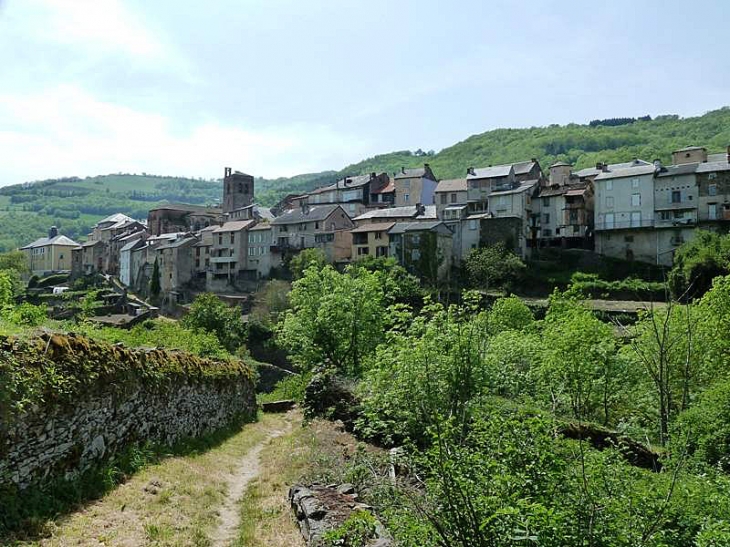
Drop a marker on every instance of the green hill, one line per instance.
(74, 204)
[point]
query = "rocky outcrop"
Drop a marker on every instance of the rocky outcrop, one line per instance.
(321, 509)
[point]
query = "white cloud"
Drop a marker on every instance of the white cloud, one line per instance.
(107, 25)
(66, 131)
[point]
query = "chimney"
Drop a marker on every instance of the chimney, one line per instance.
(657, 164)
(227, 172)
(304, 206)
(599, 166)
(533, 160)
(426, 166)
(420, 209)
(728, 154)
(53, 232)
(470, 171)
(403, 170)
(373, 176)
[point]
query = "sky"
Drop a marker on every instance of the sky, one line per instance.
(276, 88)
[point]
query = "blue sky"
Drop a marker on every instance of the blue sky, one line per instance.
(276, 88)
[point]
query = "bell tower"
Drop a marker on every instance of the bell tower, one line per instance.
(237, 190)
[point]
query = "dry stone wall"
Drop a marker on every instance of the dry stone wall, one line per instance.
(66, 436)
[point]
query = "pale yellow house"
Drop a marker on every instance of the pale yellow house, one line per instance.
(50, 254)
(371, 240)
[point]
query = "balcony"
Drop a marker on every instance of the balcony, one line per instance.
(625, 224)
(222, 259)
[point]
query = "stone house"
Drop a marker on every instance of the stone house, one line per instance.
(336, 245)
(450, 193)
(371, 239)
(423, 248)
(50, 254)
(260, 258)
(414, 186)
(300, 228)
(354, 194)
(228, 254)
(91, 258)
(127, 273)
(175, 260)
(713, 181)
(624, 213)
(382, 195)
(563, 210)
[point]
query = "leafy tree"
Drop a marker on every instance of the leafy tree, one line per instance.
(334, 318)
(155, 287)
(397, 284)
(208, 314)
(306, 258)
(509, 314)
(6, 289)
(493, 267)
(698, 262)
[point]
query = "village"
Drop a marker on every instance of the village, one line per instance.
(638, 211)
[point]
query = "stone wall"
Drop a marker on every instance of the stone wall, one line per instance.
(63, 439)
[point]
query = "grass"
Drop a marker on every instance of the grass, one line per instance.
(314, 452)
(171, 503)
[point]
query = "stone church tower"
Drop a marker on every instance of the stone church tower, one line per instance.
(237, 190)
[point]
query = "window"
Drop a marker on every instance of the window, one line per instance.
(609, 202)
(406, 198)
(407, 183)
(474, 184)
(363, 250)
(636, 219)
(712, 211)
(316, 225)
(472, 224)
(443, 199)
(712, 190)
(378, 235)
(302, 226)
(635, 183)
(676, 196)
(665, 215)
(629, 239)
(609, 221)
(546, 201)
(251, 251)
(546, 233)
(251, 238)
(453, 197)
(220, 240)
(609, 185)
(573, 216)
(351, 207)
(233, 238)
(636, 200)
(546, 218)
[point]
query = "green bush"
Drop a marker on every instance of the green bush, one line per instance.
(356, 531)
(26, 315)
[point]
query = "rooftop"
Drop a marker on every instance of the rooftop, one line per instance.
(409, 211)
(637, 170)
(491, 172)
(523, 187)
(403, 227)
(592, 171)
(58, 240)
(301, 214)
(234, 226)
(452, 185)
(374, 227)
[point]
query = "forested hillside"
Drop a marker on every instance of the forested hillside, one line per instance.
(74, 205)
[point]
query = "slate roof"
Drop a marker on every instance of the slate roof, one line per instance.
(374, 227)
(314, 213)
(115, 218)
(416, 172)
(178, 243)
(408, 211)
(627, 172)
(129, 246)
(403, 227)
(261, 226)
(523, 187)
(523, 167)
(58, 240)
(711, 166)
(494, 171)
(592, 171)
(561, 164)
(234, 226)
(689, 149)
(386, 188)
(721, 157)
(676, 170)
(451, 185)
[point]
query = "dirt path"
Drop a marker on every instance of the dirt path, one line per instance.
(248, 469)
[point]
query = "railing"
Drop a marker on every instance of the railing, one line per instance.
(622, 225)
